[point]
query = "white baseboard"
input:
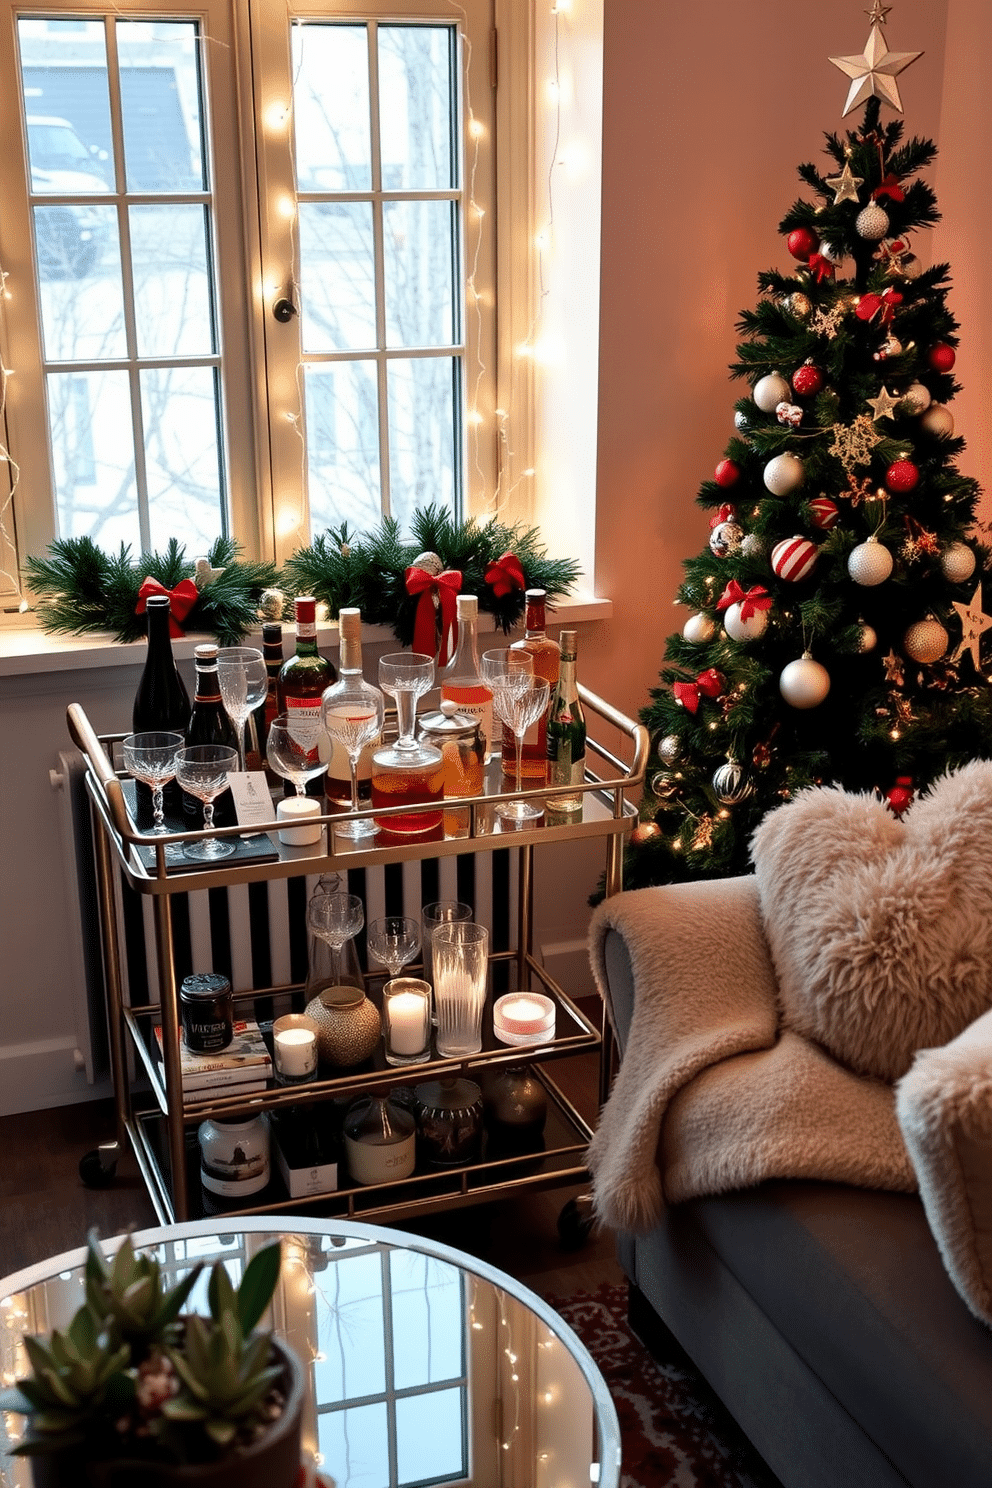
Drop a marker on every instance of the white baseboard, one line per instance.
(40, 1075)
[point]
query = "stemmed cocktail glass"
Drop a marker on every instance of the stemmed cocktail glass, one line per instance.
(244, 683)
(289, 757)
(394, 940)
(151, 758)
(519, 700)
(202, 770)
(336, 918)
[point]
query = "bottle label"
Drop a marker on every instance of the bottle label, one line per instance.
(305, 724)
(306, 630)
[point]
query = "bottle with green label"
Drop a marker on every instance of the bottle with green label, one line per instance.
(566, 735)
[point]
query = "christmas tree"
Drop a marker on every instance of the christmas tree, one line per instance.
(838, 625)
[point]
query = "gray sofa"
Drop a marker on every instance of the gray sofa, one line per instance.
(821, 1314)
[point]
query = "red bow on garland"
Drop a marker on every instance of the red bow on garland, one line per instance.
(890, 187)
(870, 304)
(754, 600)
(708, 684)
(725, 514)
(442, 588)
(181, 601)
(821, 267)
(505, 575)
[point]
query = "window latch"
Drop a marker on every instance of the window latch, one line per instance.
(283, 310)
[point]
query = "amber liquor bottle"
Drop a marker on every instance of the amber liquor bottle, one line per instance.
(546, 655)
(303, 679)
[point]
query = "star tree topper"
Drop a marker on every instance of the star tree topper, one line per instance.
(973, 623)
(873, 75)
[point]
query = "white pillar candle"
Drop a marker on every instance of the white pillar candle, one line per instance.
(295, 1051)
(407, 1024)
(299, 810)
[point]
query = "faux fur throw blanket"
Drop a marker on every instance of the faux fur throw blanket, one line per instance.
(711, 1095)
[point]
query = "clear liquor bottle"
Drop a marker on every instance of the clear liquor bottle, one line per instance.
(546, 654)
(353, 712)
(566, 735)
(337, 781)
(460, 680)
(302, 682)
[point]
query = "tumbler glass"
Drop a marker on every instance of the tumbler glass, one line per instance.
(432, 915)
(460, 951)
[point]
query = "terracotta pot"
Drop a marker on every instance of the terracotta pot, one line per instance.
(271, 1462)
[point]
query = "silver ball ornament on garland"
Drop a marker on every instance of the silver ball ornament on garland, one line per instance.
(741, 421)
(915, 400)
(784, 474)
(271, 603)
(957, 562)
(872, 222)
(430, 563)
(910, 267)
(926, 641)
(669, 749)
(804, 683)
(738, 629)
(726, 538)
(770, 391)
(698, 628)
(869, 563)
(938, 420)
(732, 784)
(867, 639)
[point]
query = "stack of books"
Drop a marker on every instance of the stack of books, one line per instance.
(243, 1068)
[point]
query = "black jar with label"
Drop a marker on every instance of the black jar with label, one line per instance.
(207, 1007)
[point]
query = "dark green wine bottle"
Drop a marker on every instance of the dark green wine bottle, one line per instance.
(209, 724)
(161, 703)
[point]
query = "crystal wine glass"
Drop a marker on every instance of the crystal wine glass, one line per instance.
(289, 757)
(394, 940)
(408, 772)
(519, 700)
(202, 770)
(336, 918)
(244, 683)
(152, 758)
(353, 713)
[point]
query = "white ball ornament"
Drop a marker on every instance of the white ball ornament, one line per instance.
(957, 562)
(915, 400)
(872, 222)
(698, 628)
(925, 641)
(794, 559)
(740, 421)
(753, 546)
(784, 474)
(770, 391)
(938, 420)
(750, 629)
(869, 563)
(804, 683)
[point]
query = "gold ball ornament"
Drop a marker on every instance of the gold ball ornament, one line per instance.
(926, 641)
(271, 604)
(915, 400)
(204, 575)
(868, 638)
(872, 222)
(804, 683)
(645, 832)
(869, 563)
(770, 391)
(938, 420)
(732, 784)
(799, 305)
(784, 474)
(958, 562)
(698, 628)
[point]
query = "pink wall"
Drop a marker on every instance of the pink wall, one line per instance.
(708, 110)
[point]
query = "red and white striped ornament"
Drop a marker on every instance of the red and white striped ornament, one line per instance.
(824, 513)
(794, 559)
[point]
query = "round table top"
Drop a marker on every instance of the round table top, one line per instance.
(424, 1365)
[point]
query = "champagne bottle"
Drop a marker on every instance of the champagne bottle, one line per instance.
(566, 735)
(460, 680)
(161, 701)
(337, 782)
(302, 681)
(546, 653)
(267, 710)
(209, 724)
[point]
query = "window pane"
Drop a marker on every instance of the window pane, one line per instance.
(171, 281)
(79, 275)
(430, 1437)
(428, 1323)
(354, 1445)
(352, 1360)
(67, 105)
(93, 457)
(331, 108)
(416, 76)
(419, 251)
(421, 437)
(343, 445)
(160, 103)
(337, 276)
(180, 410)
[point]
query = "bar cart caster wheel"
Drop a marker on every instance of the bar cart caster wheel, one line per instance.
(98, 1169)
(575, 1222)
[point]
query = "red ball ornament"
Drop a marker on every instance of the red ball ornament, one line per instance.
(824, 513)
(807, 380)
(900, 797)
(802, 242)
(941, 357)
(901, 477)
(727, 473)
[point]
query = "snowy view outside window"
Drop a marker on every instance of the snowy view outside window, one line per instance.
(127, 269)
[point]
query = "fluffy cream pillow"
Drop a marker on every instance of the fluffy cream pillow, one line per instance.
(880, 929)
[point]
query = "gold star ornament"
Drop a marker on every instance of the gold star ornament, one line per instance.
(874, 73)
(973, 624)
(845, 186)
(882, 406)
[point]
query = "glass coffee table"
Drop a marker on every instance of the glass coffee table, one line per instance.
(424, 1365)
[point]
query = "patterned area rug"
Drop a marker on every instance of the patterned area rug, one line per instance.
(674, 1430)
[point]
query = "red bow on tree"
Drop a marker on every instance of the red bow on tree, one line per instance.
(755, 599)
(708, 684)
(870, 304)
(890, 187)
(505, 575)
(181, 601)
(725, 514)
(821, 267)
(441, 589)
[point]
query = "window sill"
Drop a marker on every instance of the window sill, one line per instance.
(27, 650)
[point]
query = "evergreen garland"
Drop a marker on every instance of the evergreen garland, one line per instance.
(83, 589)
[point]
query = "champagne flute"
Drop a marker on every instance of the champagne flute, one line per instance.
(152, 758)
(394, 940)
(336, 918)
(519, 700)
(244, 683)
(289, 757)
(202, 770)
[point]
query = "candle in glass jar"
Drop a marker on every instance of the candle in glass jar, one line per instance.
(294, 1044)
(524, 1018)
(406, 1008)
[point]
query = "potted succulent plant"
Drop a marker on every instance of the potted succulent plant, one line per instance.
(137, 1394)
